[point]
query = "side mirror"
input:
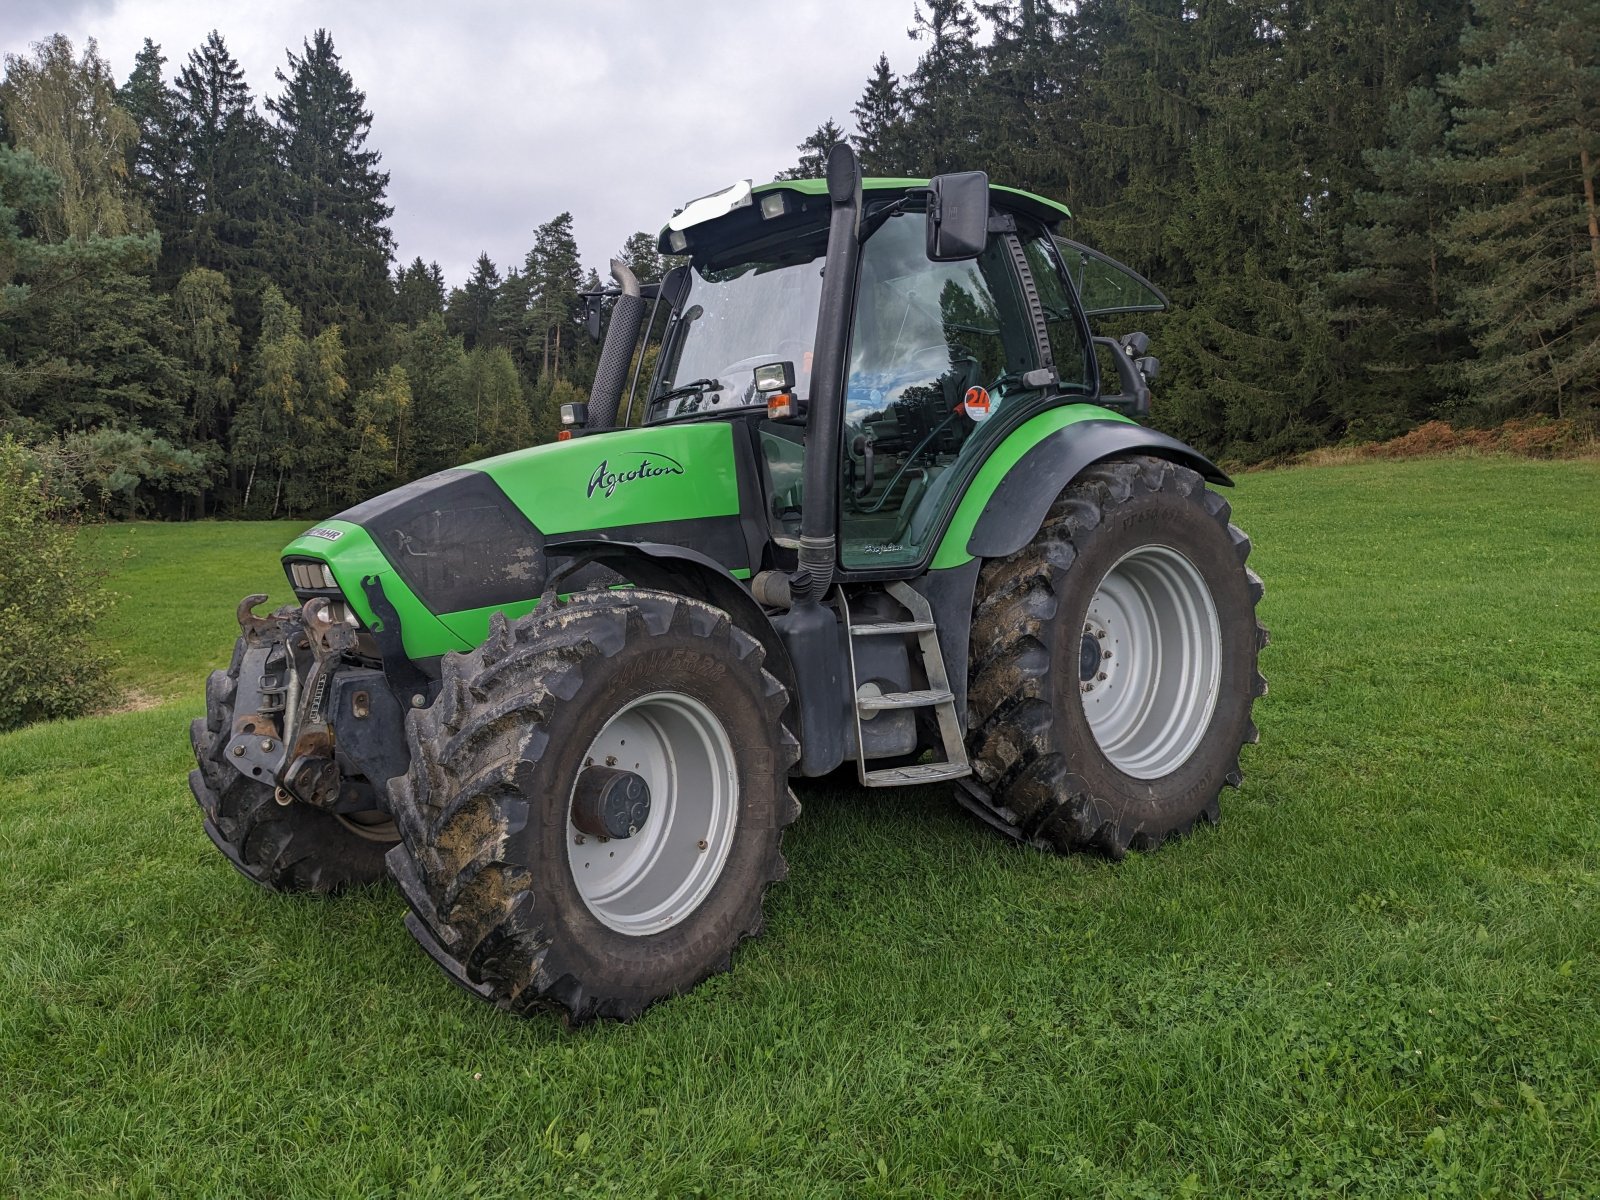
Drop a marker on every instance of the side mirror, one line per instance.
(958, 216)
(591, 316)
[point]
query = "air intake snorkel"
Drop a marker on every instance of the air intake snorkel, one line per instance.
(820, 515)
(617, 354)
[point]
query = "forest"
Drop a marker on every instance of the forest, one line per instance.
(1368, 216)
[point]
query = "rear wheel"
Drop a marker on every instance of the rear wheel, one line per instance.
(595, 804)
(283, 847)
(1114, 664)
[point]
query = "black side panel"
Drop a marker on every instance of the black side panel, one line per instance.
(457, 541)
(1018, 506)
(949, 593)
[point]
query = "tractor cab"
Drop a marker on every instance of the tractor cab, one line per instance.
(938, 347)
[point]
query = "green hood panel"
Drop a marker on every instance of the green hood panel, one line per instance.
(456, 547)
(625, 477)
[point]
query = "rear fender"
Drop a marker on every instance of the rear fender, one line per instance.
(1005, 507)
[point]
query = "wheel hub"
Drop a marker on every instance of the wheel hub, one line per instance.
(610, 803)
(653, 813)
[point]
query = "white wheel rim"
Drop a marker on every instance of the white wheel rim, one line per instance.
(1150, 662)
(653, 880)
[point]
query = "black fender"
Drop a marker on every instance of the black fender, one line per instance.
(686, 572)
(1017, 507)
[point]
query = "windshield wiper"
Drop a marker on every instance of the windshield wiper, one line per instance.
(697, 388)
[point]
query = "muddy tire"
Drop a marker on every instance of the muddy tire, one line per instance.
(516, 903)
(283, 848)
(1114, 665)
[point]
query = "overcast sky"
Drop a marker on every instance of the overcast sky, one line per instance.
(493, 116)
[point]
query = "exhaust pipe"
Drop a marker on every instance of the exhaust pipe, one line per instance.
(617, 353)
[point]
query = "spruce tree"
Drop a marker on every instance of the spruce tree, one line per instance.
(880, 122)
(332, 250)
(814, 152)
(470, 314)
(1527, 140)
(552, 272)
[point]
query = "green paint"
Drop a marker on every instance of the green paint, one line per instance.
(952, 550)
(624, 477)
(593, 482)
(819, 187)
(355, 555)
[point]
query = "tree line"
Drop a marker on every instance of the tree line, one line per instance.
(197, 311)
(1368, 216)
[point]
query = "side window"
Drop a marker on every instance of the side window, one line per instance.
(1105, 285)
(926, 334)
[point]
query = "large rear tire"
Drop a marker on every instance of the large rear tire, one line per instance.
(517, 903)
(281, 847)
(1114, 664)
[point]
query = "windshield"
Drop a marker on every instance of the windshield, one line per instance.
(735, 319)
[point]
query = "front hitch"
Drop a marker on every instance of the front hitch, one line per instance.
(281, 734)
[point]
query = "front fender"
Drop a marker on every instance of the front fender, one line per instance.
(1015, 488)
(687, 572)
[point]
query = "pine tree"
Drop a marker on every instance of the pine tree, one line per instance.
(880, 122)
(222, 143)
(944, 124)
(419, 290)
(642, 257)
(553, 272)
(332, 254)
(814, 152)
(1527, 141)
(470, 314)
(155, 157)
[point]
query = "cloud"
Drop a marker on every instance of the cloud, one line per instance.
(494, 116)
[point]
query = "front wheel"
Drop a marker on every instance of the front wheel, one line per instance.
(595, 804)
(1114, 664)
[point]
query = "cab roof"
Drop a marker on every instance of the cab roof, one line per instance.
(1044, 209)
(733, 228)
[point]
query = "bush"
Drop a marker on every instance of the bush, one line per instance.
(50, 598)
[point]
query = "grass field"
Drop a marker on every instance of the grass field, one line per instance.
(1379, 976)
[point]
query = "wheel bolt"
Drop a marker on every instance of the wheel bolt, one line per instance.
(1102, 674)
(1101, 634)
(1106, 654)
(701, 843)
(1086, 687)
(578, 841)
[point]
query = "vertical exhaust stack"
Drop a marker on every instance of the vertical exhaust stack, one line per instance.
(617, 354)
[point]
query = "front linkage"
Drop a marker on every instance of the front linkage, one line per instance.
(293, 718)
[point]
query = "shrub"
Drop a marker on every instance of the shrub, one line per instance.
(50, 598)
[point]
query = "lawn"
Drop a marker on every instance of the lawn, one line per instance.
(1378, 976)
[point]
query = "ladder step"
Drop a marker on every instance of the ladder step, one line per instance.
(923, 699)
(916, 773)
(892, 627)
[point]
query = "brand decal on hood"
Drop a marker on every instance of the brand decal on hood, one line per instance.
(606, 480)
(322, 531)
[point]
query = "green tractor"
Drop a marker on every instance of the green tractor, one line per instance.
(878, 507)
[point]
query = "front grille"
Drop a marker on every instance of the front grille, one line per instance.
(312, 576)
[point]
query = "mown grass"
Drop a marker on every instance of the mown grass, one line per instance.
(1378, 977)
